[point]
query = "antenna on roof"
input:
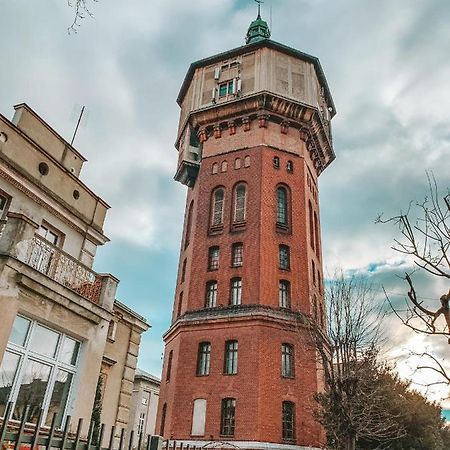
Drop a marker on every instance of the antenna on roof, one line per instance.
(78, 125)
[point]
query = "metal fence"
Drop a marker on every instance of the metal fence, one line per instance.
(21, 435)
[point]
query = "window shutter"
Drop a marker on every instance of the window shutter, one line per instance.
(213, 94)
(233, 89)
(217, 73)
(239, 85)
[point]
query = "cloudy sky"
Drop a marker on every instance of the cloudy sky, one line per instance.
(387, 64)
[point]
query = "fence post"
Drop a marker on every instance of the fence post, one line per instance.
(6, 417)
(37, 430)
(77, 436)
(21, 428)
(65, 433)
(51, 432)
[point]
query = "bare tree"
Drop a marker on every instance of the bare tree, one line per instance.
(425, 239)
(82, 10)
(352, 404)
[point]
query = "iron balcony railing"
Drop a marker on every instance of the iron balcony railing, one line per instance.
(63, 268)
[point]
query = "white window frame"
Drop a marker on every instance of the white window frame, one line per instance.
(26, 354)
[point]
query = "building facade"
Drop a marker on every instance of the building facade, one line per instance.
(58, 316)
(254, 136)
(144, 405)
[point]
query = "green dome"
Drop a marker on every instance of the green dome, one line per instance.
(257, 31)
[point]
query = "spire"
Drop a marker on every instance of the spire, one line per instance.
(258, 29)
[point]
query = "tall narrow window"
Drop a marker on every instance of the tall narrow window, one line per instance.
(288, 413)
(231, 358)
(169, 365)
(237, 254)
(236, 291)
(282, 206)
(198, 417)
(313, 270)
(240, 195)
(217, 209)
(183, 271)
(276, 162)
(211, 294)
(213, 258)
(227, 420)
(180, 304)
(287, 361)
(203, 358)
(311, 225)
(187, 237)
(163, 419)
(316, 233)
(215, 168)
(284, 294)
(284, 257)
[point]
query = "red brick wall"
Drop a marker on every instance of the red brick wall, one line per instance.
(258, 387)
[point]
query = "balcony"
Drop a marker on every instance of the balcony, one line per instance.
(62, 268)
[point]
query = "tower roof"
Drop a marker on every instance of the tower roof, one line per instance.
(258, 30)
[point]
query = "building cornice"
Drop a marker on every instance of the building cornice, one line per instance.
(240, 313)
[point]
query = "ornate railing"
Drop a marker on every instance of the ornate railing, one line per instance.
(63, 268)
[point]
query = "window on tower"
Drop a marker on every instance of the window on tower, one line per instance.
(211, 294)
(282, 208)
(240, 197)
(237, 254)
(276, 162)
(217, 207)
(290, 167)
(183, 271)
(187, 237)
(284, 257)
(231, 358)
(213, 258)
(288, 414)
(287, 361)
(203, 358)
(236, 291)
(169, 366)
(284, 294)
(227, 420)
(163, 419)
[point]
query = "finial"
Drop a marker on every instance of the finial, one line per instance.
(259, 8)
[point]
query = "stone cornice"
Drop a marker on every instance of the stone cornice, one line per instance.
(261, 108)
(239, 313)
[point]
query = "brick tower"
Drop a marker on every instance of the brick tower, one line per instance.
(254, 135)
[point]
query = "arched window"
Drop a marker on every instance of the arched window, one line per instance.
(187, 237)
(211, 294)
(183, 271)
(180, 304)
(227, 417)
(163, 419)
(217, 207)
(287, 361)
(213, 258)
(237, 163)
(284, 294)
(247, 161)
(311, 225)
(290, 166)
(231, 358)
(203, 358)
(169, 365)
(237, 254)
(282, 206)
(240, 200)
(236, 291)
(224, 166)
(284, 257)
(288, 414)
(215, 168)
(316, 233)
(276, 162)
(198, 417)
